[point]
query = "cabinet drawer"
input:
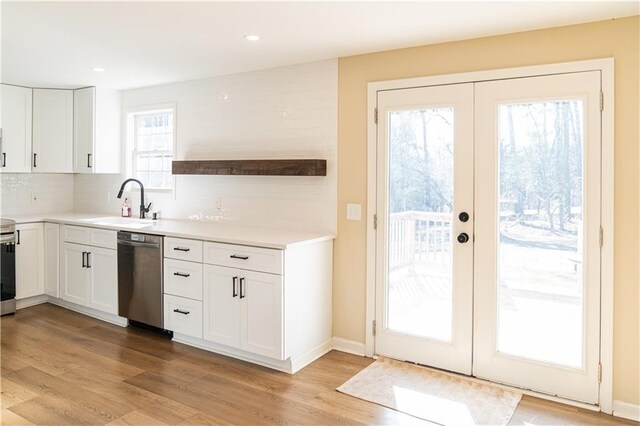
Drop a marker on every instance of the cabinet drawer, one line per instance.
(183, 316)
(244, 257)
(90, 236)
(183, 278)
(181, 249)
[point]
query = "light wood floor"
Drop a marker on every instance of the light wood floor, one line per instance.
(60, 367)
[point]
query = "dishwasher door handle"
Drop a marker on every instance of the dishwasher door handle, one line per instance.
(136, 244)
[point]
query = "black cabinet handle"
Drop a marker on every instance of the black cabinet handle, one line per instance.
(18, 235)
(35, 156)
(235, 288)
(84, 262)
(179, 311)
(88, 260)
(4, 159)
(180, 274)
(235, 256)
(242, 289)
(182, 249)
(89, 165)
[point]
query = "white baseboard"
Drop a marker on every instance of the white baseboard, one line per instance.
(103, 316)
(348, 346)
(626, 410)
(31, 301)
(298, 363)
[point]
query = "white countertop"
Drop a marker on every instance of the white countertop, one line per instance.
(231, 233)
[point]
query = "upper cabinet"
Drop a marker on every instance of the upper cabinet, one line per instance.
(52, 131)
(96, 130)
(15, 121)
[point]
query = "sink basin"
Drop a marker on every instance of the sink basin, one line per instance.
(120, 221)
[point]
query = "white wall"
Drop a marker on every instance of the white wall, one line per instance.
(54, 194)
(288, 112)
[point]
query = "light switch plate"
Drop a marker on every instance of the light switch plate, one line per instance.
(354, 211)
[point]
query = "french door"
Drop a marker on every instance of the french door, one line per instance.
(487, 249)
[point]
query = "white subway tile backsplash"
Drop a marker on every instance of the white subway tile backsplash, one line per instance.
(288, 112)
(53, 194)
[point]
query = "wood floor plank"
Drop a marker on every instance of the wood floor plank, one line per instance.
(47, 385)
(12, 393)
(10, 418)
(60, 367)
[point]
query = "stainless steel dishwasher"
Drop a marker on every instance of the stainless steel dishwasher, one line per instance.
(140, 285)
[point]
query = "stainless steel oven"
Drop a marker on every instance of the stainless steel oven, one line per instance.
(7, 266)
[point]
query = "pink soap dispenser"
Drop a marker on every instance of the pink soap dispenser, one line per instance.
(126, 208)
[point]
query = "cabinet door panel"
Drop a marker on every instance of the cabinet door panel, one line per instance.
(16, 129)
(52, 259)
(102, 265)
(221, 307)
(29, 261)
(261, 314)
(74, 277)
(83, 129)
(52, 131)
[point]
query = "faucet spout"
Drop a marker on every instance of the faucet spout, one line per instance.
(143, 209)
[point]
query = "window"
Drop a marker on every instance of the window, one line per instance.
(152, 148)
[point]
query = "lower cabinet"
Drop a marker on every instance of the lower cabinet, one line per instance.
(182, 315)
(29, 260)
(244, 309)
(89, 276)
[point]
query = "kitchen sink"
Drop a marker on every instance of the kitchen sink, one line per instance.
(120, 222)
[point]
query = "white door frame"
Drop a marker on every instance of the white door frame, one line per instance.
(606, 67)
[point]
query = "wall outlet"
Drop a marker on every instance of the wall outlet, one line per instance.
(34, 198)
(354, 211)
(218, 203)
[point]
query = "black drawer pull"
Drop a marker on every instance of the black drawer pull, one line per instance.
(179, 311)
(182, 249)
(235, 256)
(180, 274)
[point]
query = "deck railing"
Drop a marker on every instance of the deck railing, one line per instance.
(419, 237)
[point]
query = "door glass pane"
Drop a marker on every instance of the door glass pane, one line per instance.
(419, 278)
(540, 286)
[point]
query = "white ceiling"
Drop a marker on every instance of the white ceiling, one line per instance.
(56, 44)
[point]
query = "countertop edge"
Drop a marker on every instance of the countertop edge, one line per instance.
(317, 238)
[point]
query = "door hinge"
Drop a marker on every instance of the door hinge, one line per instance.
(599, 373)
(375, 221)
(601, 236)
(375, 115)
(374, 327)
(601, 101)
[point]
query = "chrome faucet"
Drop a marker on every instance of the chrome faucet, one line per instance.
(143, 210)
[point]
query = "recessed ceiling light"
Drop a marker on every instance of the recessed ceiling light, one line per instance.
(252, 37)
(99, 69)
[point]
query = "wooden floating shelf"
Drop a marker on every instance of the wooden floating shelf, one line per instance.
(251, 167)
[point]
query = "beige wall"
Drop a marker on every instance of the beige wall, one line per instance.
(614, 38)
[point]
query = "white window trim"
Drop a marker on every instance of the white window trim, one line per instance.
(606, 67)
(128, 114)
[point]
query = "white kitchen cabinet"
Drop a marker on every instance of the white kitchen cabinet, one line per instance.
(244, 309)
(102, 267)
(74, 278)
(182, 315)
(15, 121)
(52, 131)
(89, 267)
(52, 259)
(221, 306)
(29, 260)
(96, 130)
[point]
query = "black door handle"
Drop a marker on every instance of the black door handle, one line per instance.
(84, 262)
(89, 161)
(18, 235)
(4, 159)
(88, 259)
(35, 156)
(242, 289)
(463, 238)
(463, 216)
(235, 289)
